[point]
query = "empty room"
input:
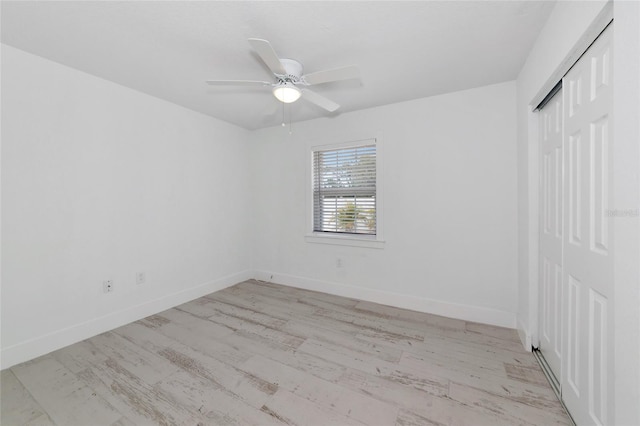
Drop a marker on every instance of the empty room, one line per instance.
(320, 213)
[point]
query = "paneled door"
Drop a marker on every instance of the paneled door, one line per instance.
(550, 297)
(587, 347)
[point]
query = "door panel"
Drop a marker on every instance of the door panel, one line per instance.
(587, 257)
(551, 233)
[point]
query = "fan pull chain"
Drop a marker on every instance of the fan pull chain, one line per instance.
(283, 114)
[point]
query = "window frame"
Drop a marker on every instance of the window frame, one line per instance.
(338, 238)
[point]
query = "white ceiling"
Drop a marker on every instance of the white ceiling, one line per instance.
(405, 50)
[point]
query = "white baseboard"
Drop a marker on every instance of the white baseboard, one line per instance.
(420, 304)
(525, 336)
(42, 345)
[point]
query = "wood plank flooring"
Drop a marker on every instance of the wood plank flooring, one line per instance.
(262, 354)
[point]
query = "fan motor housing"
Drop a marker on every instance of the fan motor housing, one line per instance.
(293, 68)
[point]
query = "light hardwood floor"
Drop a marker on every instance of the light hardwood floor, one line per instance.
(260, 353)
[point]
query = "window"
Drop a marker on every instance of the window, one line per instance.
(344, 190)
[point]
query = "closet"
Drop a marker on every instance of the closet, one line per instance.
(575, 235)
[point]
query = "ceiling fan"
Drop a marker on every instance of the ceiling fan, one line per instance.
(290, 83)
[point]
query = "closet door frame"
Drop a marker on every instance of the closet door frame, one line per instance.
(626, 164)
(601, 21)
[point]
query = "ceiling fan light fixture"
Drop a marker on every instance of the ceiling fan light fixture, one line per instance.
(286, 92)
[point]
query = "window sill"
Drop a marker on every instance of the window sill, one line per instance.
(342, 240)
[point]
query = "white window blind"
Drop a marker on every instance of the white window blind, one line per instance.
(344, 190)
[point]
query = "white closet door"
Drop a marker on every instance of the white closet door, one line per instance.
(550, 297)
(587, 243)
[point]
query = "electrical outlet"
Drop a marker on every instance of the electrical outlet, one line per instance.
(107, 286)
(140, 278)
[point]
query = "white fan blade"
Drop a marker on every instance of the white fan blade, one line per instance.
(268, 55)
(237, 83)
(344, 73)
(319, 100)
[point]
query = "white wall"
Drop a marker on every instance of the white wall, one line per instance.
(100, 181)
(626, 166)
(449, 183)
(567, 25)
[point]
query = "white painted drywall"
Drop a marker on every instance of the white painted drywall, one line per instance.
(449, 182)
(626, 196)
(100, 182)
